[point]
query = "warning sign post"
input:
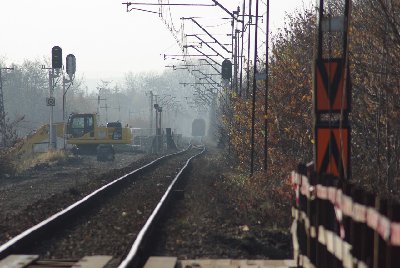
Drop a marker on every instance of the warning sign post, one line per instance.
(333, 151)
(330, 89)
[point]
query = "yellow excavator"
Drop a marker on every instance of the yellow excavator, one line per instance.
(87, 136)
(37, 141)
(82, 132)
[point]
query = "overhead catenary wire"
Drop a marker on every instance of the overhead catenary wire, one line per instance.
(237, 51)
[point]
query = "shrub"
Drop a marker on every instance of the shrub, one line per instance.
(7, 166)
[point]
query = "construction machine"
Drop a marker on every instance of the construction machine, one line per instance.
(87, 136)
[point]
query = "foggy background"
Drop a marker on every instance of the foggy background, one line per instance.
(121, 57)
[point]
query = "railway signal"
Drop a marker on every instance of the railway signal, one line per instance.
(54, 71)
(226, 69)
(56, 57)
(71, 65)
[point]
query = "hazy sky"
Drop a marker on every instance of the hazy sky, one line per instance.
(106, 40)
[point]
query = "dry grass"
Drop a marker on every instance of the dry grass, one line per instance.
(7, 165)
(49, 158)
(259, 199)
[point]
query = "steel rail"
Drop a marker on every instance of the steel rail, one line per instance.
(137, 254)
(24, 239)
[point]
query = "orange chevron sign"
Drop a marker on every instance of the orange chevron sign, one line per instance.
(329, 76)
(333, 151)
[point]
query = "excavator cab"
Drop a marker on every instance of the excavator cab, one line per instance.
(117, 133)
(80, 124)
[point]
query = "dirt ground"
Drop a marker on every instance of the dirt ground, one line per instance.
(209, 223)
(110, 226)
(21, 197)
(44, 180)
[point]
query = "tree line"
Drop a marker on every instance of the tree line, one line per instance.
(27, 87)
(374, 65)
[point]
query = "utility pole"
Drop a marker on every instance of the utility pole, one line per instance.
(56, 64)
(50, 101)
(2, 113)
(253, 112)
(2, 110)
(119, 112)
(160, 126)
(235, 61)
(98, 103)
(235, 51)
(64, 97)
(65, 80)
(248, 52)
(129, 115)
(151, 112)
(106, 108)
(71, 68)
(51, 88)
(241, 51)
(266, 91)
(98, 107)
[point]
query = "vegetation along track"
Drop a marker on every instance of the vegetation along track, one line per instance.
(105, 222)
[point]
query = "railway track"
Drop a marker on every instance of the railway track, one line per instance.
(109, 220)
